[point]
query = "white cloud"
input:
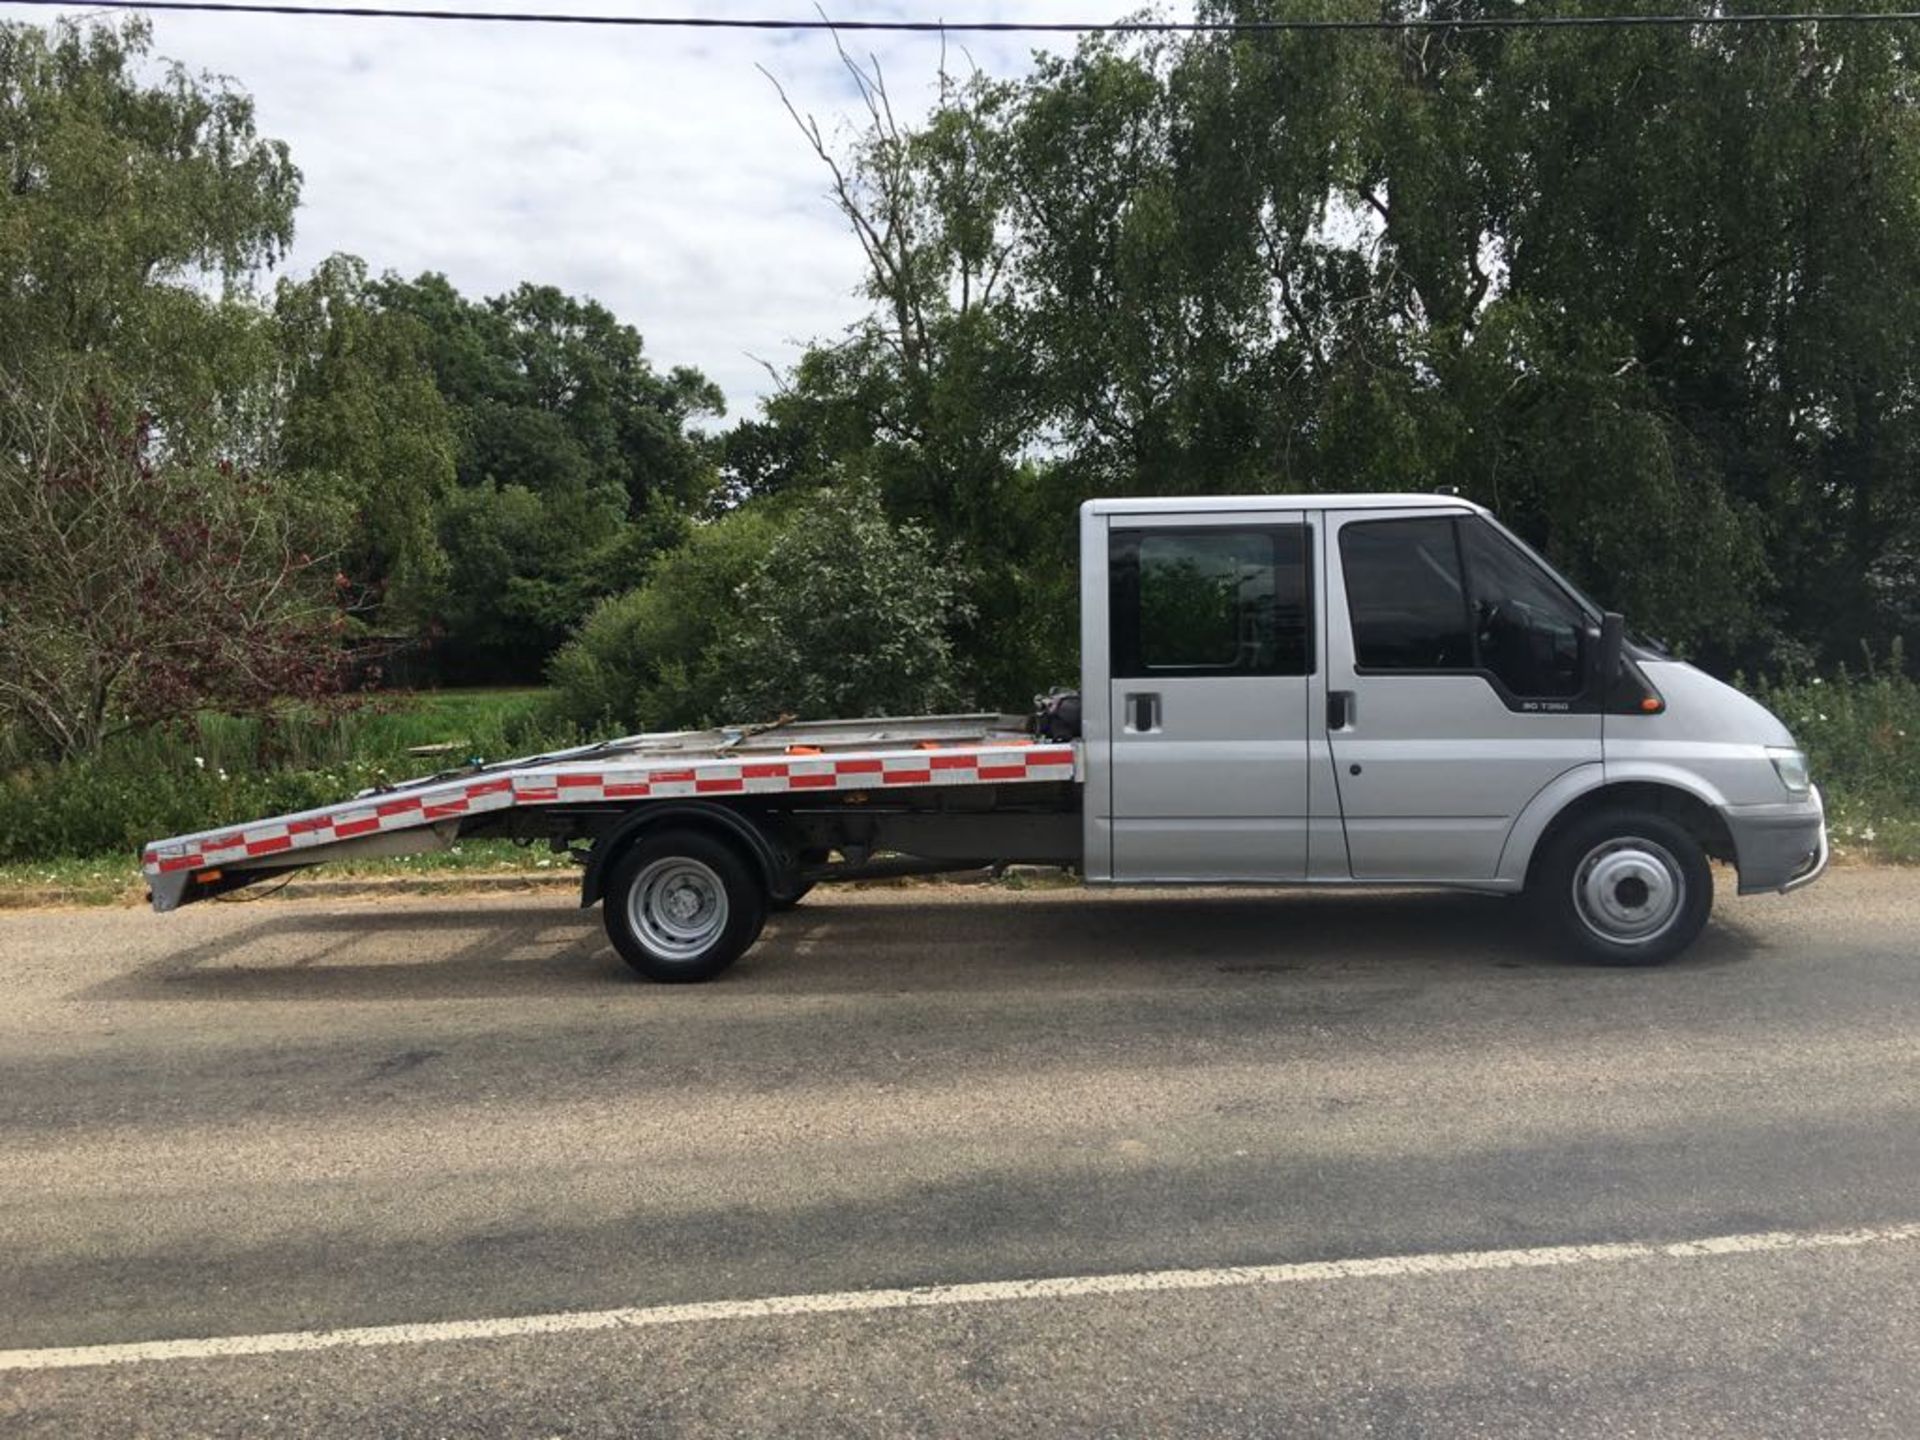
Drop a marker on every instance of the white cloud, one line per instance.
(652, 169)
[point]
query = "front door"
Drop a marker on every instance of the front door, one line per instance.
(1211, 647)
(1457, 676)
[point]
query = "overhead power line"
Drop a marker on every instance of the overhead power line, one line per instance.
(1006, 27)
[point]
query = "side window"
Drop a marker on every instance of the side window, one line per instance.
(1527, 631)
(1210, 602)
(1405, 595)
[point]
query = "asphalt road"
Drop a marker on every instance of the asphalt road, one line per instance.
(253, 1119)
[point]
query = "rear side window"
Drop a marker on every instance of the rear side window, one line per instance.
(1406, 595)
(1213, 601)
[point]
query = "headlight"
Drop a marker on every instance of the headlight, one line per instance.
(1791, 767)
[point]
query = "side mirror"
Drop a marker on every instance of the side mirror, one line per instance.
(1606, 660)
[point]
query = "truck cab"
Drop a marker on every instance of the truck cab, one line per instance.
(1394, 689)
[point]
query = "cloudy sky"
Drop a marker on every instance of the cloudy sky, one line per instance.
(654, 170)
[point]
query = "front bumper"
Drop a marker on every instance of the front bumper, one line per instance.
(1779, 847)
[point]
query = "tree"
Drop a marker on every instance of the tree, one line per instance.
(136, 586)
(365, 432)
(930, 399)
(1648, 292)
(133, 219)
(576, 464)
(607, 418)
(147, 564)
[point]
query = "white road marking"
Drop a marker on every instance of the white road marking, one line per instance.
(934, 1296)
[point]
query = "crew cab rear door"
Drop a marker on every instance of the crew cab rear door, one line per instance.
(1211, 647)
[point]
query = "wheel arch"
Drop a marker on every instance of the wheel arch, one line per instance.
(720, 821)
(1694, 805)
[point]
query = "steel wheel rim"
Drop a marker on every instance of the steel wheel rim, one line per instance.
(1629, 890)
(678, 907)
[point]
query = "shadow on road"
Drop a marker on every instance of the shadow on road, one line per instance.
(408, 952)
(447, 951)
(1383, 933)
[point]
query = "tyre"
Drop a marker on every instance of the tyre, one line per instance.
(1623, 887)
(682, 906)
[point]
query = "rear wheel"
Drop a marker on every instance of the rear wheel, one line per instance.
(682, 906)
(1624, 887)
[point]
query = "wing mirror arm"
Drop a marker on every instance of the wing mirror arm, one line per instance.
(1606, 659)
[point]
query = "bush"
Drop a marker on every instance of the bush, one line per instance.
(218, 769)
(92, 807)
(848, 614)
(650, 659)
(814, 609)
(1861, 733)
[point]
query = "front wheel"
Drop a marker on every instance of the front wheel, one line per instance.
(682, 906)
(1624, 887)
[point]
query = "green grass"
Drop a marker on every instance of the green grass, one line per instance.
(219, 770)
(73, 832)
(1861, 732)
(1885, 839)
(489, 724)
(116, 880)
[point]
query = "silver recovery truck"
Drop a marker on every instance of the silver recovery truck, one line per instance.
(1275, 690)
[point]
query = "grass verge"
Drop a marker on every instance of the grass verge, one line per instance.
(114, 881)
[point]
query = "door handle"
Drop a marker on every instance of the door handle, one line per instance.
(1340, 709)
(1143, 713)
